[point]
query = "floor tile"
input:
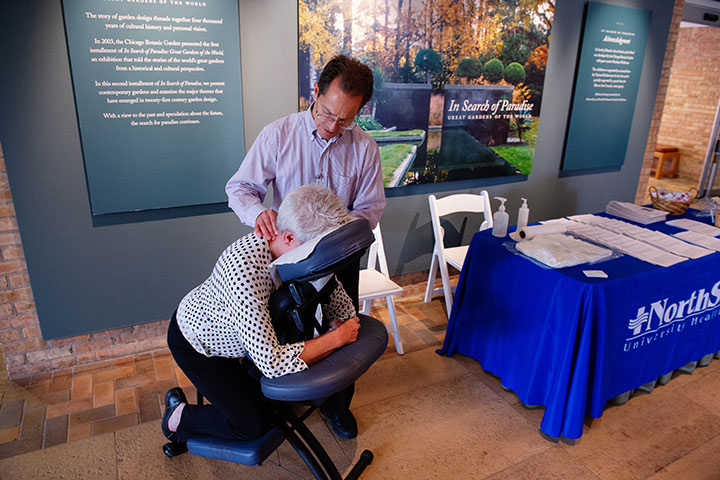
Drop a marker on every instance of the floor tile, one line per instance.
(164, 368)
(61, 382)
(82, 386)
(125, 401)
(92, 458)
(19, 447)
(456, 428)
(11, 413)
(79, 431)
(149, 408)
(139, 457)
(404, 373)
(115, 423)
(71, 406)
(104, 393)
(33, 422)
(644, 435)
(703, 463)
(91, 415)
(112, 373)
(56, 429)
(46, 399)
(553, 463)
(156, 388)
(9, 434)
(703, 388)
(335, 447)
(94, 367)
(135, 380)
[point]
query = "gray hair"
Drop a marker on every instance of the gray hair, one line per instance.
(310, 210)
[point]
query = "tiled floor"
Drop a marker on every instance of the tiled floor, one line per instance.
(87, 401)
(422, 415)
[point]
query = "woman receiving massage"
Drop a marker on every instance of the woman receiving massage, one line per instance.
(225, 321)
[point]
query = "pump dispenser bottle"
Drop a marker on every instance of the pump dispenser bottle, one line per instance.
(523, 213)
(500, 219)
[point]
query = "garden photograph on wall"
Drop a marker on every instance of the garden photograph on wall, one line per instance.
(458, 83)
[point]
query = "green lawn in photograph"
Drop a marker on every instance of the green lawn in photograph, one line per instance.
(391, 156)
(404, 133)
(521, 155)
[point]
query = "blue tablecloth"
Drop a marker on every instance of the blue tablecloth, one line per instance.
(565, 341)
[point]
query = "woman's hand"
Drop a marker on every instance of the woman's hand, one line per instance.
(322, 346)
(348, 330)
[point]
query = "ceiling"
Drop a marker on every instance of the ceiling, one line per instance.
(704, 12)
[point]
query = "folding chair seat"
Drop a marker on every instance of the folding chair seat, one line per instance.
(454, 256)
(376, 283)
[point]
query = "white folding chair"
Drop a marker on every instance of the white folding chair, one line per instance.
(376, 284)
(454, 256)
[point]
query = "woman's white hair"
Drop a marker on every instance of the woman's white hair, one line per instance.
(310, 210)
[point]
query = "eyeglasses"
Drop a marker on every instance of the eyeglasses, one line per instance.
(329, 118)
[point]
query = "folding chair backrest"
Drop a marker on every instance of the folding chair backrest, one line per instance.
(376, 253)
(463, 202)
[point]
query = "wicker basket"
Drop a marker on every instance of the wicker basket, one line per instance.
(675, 207)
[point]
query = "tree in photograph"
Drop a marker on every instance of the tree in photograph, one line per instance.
(494, 71)
(535, 76)
(430, 62)
(514, 73)
(515, 49)
(520, 122)
(469, 69)
(316, 33)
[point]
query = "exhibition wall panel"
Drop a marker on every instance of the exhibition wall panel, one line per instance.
(89, 275)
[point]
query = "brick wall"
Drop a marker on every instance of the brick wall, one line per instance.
(692, 97)
(24, 350)
(660, 101)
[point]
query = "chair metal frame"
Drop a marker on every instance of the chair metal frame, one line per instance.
(455, 256)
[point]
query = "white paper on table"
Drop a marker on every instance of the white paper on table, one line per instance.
(595, 274)
(652, 237)
(624, 244)
(695, 226)
(700, 239)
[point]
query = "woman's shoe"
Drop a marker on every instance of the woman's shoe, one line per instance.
(173, 398)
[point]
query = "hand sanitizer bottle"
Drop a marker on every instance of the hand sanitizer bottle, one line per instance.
(523, 213)
(500, 219)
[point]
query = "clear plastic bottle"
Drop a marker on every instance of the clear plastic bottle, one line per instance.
(523, 213)
(500, 219)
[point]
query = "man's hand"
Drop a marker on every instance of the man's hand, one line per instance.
(266, 225)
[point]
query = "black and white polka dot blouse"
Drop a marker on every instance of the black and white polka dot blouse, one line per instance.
(227, 315)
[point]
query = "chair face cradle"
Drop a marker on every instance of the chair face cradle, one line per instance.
(454, 256)
(312, 386)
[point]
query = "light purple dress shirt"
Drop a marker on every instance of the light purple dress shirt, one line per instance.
(289, 153)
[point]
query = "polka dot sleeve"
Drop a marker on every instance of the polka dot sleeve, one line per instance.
(339, 306)
(228, 314)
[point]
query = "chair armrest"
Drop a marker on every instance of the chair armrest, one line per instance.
(336, 371)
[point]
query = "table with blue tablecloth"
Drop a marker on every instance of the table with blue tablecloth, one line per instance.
(570, 343)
